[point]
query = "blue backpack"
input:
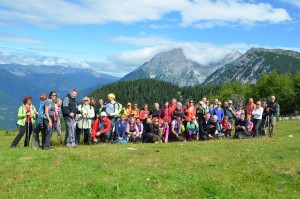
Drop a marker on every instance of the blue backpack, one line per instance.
(120, 141)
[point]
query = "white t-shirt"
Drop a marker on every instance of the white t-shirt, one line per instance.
(257, 113)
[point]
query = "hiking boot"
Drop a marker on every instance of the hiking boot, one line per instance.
(270, 135)
(59, 140)
(47, 148)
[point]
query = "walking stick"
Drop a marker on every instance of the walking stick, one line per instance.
(27, 142)
(82, 131)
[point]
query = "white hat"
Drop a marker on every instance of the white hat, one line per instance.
(103, 114)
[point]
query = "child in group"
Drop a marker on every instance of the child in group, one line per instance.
(56, 125)
(164, 130)
(226, 127)
(250, 124)
(192, 128)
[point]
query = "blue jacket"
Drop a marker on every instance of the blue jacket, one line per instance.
(41, 112)
(120, 128)
(219, 113)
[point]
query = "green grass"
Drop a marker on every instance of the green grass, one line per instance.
(254, 168)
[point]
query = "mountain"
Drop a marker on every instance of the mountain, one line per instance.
(18, 81)
(173, 66)
(257, 61)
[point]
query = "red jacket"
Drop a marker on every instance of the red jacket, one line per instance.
(95, 128)
(172, 108)
(165, 113)
(189, 113)
(144, 114)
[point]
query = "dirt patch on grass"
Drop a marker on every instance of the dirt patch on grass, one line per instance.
(25, 158)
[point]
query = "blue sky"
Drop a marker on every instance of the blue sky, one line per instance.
(117, 36)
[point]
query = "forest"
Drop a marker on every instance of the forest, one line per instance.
(285, 87)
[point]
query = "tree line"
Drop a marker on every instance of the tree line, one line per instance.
(148, 91)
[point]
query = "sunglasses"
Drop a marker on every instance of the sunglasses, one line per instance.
(53, 95)
(86, 100)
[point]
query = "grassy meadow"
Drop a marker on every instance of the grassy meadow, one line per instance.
(253, 168)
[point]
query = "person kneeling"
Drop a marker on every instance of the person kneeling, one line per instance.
(101, 130)
(209, 128)
(241, 128)
(132, 131)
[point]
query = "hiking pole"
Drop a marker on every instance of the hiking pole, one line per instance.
(82, 131)
(27, 142)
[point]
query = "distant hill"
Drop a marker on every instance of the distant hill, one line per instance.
(173, 66)
(257, 61)
(18, 81)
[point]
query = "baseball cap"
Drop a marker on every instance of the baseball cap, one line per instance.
(230, 102)
(103, 114)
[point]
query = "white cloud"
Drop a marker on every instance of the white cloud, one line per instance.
(292, 2)
(14, 38)
(124, 62)
(58, 12)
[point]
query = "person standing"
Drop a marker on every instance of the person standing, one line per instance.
(218, 111)
(257, 116)
(111, 108)
(127, 110)
(98, 108)
(165, 112)
(229, 111)
(250, 107)
(155, 111)
(49, 120)
(26, 119)
(239, 111)
(265, 117)
(69, 112)
(200, 112)
(190, 111)
(144, 113)
(85, 119)
(40, 122)
(57, 126)
(173, 105)
(272, 109)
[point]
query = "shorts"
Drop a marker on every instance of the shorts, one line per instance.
(272, 120)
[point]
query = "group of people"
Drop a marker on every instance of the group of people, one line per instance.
(109, 122)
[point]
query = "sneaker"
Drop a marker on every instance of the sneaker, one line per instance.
(13, 147)
(69, 145)
(73, 145)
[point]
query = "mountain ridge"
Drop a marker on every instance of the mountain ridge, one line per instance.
(173, 66)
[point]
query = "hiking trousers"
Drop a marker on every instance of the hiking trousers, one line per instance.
(23, 130)
(36, 137)
(70, 130)
(47, 134)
